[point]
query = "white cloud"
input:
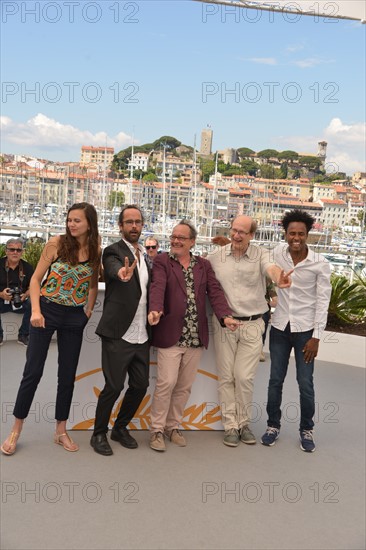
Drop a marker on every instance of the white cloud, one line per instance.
(311, 62)
(348, 133)
(346, 145)
(295, 48)
(48, 133)
(264, 60)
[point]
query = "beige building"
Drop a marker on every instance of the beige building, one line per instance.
(96, 156)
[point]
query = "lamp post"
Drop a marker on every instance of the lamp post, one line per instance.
(164, 145)
(213, 195)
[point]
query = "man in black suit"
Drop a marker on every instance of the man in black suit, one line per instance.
(123, 329)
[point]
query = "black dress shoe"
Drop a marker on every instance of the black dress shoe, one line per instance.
(100, 445)
(122, 435)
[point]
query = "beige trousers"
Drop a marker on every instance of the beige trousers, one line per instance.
(177, 369)
(237, 358)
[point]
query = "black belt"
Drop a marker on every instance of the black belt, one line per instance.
(251, 318)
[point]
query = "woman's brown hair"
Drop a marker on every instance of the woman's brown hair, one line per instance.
(68, 249)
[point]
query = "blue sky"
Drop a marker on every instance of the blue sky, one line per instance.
(98, 73)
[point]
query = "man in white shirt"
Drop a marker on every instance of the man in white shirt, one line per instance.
(298, 322)
(123, 329)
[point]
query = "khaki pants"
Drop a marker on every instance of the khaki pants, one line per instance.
(237, 357)
(177, 369)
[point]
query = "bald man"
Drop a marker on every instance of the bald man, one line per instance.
(241, 267)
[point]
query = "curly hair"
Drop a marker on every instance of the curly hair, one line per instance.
(68, 248)
(297, 216)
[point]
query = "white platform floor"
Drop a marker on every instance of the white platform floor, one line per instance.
(204, 496)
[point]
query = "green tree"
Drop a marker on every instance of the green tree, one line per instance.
(250, 167)
(284, 170)
(232, 171)
(268, 171)
(150, 176)
(313, 163)
(245, 152)
(268, 154)
(116, 198)
(288, 155)
(207, 169)
(169, 141)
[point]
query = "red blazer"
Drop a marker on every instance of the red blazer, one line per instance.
(168, 294)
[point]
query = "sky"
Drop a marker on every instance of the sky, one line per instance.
(113, 73)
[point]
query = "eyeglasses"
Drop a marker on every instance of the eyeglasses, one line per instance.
(10, 249)
(241, 233)
(132, 222)
(152, 246)
(178, 238)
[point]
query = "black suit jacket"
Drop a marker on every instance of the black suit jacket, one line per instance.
(121, 299)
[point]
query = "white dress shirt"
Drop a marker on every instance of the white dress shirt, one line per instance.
(305, 304)
(137, 333)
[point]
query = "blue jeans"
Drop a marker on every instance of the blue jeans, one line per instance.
(25, 310)
(281, 344)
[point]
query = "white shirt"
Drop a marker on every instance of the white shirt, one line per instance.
(305, 304)
(243, 279)
(137, 333)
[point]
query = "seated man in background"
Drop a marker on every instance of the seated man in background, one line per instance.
(15, 276)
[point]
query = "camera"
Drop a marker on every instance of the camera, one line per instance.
(15, 296)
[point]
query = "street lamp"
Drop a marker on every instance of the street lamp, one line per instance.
(164, 145)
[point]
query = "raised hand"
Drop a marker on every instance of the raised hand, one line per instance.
(284, 280)
(126, 272)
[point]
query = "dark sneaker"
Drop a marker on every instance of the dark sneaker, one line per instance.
(269, 438)
(23, 340)
(307, 441)
(247, 436)
(231, 438)
(1, 340)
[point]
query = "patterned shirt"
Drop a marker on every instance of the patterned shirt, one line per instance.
(189, 337)
(68, 285)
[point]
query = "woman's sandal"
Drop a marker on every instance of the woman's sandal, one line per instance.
(64, 445)
(13, 438)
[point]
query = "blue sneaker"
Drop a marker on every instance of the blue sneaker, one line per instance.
(269, 438)
(307, 441)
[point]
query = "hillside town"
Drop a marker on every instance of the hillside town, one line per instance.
(171, 183)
